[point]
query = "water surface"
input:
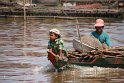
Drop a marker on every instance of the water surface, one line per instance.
(23, 50)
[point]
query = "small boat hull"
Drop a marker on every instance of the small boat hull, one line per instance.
(113, 57)
(101, 62)
(100, 65)
(56, 62)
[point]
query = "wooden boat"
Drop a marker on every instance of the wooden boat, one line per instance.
(114, 57)
(111, 58)
(58, 64)
(101, 62)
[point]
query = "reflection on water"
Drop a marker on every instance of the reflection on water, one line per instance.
(78, 74)
(23, 52)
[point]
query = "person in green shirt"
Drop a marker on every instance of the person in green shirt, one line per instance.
(102, 36)
(56, 47)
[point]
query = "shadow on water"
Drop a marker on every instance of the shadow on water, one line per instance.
(23, 52)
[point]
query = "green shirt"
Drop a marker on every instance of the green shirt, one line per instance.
(56, 46)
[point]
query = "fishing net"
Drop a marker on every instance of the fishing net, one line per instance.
(91, 41)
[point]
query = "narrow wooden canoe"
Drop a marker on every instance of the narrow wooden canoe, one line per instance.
(111, 58)
(114, 57)
(56, 62)
(111, 62)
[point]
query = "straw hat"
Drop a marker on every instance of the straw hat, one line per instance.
(99, 23)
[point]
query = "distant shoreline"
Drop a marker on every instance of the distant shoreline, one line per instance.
(65, 14)
(54, 17)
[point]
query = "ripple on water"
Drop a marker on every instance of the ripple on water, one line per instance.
(22, 48)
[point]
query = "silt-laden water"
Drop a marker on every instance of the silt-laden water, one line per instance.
(23, 50)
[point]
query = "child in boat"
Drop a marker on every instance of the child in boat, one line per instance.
(102, 36)
(56, 47)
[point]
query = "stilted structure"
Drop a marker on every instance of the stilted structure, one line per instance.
(83, 8)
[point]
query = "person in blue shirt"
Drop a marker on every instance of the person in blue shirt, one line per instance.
(102, 36)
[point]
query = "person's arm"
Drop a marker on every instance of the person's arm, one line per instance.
(50, 50)
(61, 49)
(60, 54)
(108, 42)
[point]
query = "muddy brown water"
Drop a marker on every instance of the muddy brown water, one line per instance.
(23, 50)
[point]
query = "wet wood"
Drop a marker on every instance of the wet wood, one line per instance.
(117, 51)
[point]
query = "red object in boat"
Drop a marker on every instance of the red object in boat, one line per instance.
(56, 63)
(51, 58)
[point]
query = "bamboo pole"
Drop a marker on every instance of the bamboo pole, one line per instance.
(78, 31)
(24, 10)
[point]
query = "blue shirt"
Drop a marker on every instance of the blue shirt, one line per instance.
(103, 37)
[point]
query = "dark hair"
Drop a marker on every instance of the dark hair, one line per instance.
(59, 36)
(100, 26)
